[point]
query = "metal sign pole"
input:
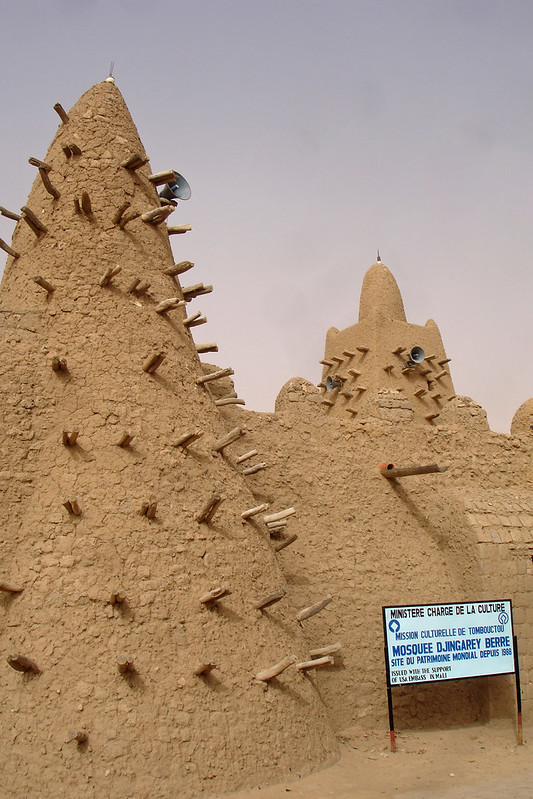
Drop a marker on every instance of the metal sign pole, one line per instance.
(389, 701)
(518, 692)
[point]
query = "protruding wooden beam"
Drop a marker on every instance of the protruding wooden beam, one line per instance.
(337, 359)
(354, 373)
(214, 595)
(228, 439)
(420, 392)
(66, 150)
(390, 473)
(204, 668)
(443, 361)
(254, 469)
(330, 649)
(187, 438)
(442, 374)
(229, 401)
(10, 214)
(33, 221)
(74, 149)
(109, 274)
(270, 599)
(125, 664)
(398, 350)
(160, 178)
(10, 251)
(312, 610)
(352, 411)
(117, 597)
(124, 440)
(177, 229)
(72, 507)
(326, 362)
(10, 589)
(138, 286)
(22, 663)
(348, 353)
(58, 108)
(254, 511)
(246, 456)
(157, 215)
(209, 508)
(194, 319)
(210, 346)
(149, 509)
(362, 349)
(86, 204)
(153, 362)
(190, 292)
(39, 164)
(119, 213)
(276, 517)
(179, 269)
(127, 218)
(48, 185)
(215, 375)
(69, 438)
(285, 542)
(327, 660)
(80, 736)
(278, 668)
(169, 305)
(134, 162)
(44, 284)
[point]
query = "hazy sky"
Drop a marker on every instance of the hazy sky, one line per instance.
(311, 134)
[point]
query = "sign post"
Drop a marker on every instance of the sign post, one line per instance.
(450, 641)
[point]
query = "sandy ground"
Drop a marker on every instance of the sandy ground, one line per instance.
(482, 762)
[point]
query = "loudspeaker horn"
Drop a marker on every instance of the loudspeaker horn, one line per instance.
(177, 189)
(417, 355)
(331, 383)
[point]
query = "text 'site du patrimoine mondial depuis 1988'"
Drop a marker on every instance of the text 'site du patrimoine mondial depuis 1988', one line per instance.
(450, 641)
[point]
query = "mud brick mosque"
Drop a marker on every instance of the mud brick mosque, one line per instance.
(191, 592)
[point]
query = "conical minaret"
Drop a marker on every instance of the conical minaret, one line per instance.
(383, 365)
(116, 526)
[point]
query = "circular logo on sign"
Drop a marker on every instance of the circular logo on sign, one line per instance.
(394, 625)
(503, 618)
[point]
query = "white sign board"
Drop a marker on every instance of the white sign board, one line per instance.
(425, 643)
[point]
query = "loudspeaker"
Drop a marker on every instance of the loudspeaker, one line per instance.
(177, 189)
(417, 355)
(331, 383)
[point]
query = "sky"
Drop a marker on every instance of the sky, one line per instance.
(312, 133)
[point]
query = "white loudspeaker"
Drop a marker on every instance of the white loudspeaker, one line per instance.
(417, 355)
(331, 383)
(177, 189)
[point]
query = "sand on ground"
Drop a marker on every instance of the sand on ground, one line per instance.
(479, 762)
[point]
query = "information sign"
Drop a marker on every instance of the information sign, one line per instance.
(452, 641)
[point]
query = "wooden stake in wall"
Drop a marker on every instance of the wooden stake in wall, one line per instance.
(254, 469)
(312, 610)
(214, 595)
(278, 668)
(22, 663)
(204, 668)
(125, 664)
(169, 305)
(152, 363)
(10, 589)
(149, 509)
(178, 269)
(58, 108)
(176, 229)
(327, 660)
(186, 439)
(157, 215)
(134, 162)
(44, 284)
(72, 507)
(210, 346)
(10, 251)
(209, 508)
(33, 221)
(109, 274)
(271, 599)
(10, 214)
(228, 439)
(254, 511)
(124, 440)
(285, 542)
(215, 375)
(121, 210)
